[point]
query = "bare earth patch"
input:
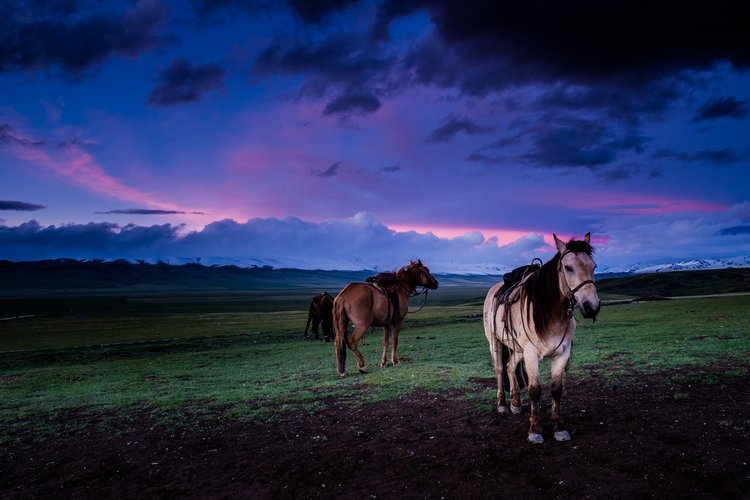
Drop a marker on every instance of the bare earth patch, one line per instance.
(649, 438)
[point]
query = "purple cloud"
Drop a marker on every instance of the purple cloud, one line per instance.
(722, 107)
(709, 156)
(147, 211)
(182, 82)
(329, 172)
(452, 126)
(19, 206)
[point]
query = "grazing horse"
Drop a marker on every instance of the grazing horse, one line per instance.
(321, 312)
(366, 304)
(535, 321)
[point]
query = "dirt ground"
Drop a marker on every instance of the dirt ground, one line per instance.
(647, 438)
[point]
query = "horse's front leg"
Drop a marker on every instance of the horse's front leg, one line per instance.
(558, 374)
(394, 339)
(535, 391)
(386, 341)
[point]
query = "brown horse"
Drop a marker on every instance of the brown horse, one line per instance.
(535, 321)
(321, 313)
(366, 304)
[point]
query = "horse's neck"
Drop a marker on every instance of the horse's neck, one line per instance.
(405, 285)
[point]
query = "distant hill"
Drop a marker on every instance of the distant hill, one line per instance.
(677, 283)
(123, 275)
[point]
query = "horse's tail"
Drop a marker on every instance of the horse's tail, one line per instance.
(504, 356)
(521, 375)
(309, 319)
(341, 324)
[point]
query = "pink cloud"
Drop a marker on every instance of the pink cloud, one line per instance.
(611, 203)
(70, 162)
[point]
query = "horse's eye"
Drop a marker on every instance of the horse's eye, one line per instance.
(569, 269)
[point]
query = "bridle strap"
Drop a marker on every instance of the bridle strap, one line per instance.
(572, 294)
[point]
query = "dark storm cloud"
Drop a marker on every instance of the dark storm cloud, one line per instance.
(560, 141)
(617, 99)
(735, 230)
(623, 57)
(583, 42)
(329, 172)
(452, 126)
(314, 11)
(710, 156)
(358, 103)
(570, 147)
(34, 36)
(183, 83)
(19, 206)
(343, 66)
(722, 107)
(147, 211)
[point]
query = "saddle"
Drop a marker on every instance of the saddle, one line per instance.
(509, 293)
(386, 282)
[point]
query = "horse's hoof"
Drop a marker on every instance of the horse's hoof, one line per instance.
(515, 410)
(502, 410)
(343, 374)
(396, 362)
(535, 438)
(562, 436)
(363, 369)
(383, 364)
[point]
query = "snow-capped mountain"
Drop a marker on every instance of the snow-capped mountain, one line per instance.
(692, 265)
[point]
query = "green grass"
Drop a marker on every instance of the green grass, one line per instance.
(250, 365)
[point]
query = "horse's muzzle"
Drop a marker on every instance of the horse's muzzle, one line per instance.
(590, 310)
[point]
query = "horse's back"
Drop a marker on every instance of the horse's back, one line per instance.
(357, 300)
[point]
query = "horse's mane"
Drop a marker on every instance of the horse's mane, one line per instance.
(542, 289)
(407, 268)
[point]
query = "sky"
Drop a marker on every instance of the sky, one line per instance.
(346, 134)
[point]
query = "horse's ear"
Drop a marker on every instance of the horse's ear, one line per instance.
(419, 261)
(587, 238)
(560, 245)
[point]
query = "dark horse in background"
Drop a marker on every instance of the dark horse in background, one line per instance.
(535, 321)
(367, 304)
(321, 313)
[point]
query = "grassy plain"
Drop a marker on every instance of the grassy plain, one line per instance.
(179, 355)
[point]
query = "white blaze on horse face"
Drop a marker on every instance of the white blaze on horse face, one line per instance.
(577, 268)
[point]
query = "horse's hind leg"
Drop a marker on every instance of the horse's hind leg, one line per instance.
(556, 389)
(497, 350)
(359, 332)
(386, 341)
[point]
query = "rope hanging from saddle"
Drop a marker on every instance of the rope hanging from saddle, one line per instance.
(510, 293)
